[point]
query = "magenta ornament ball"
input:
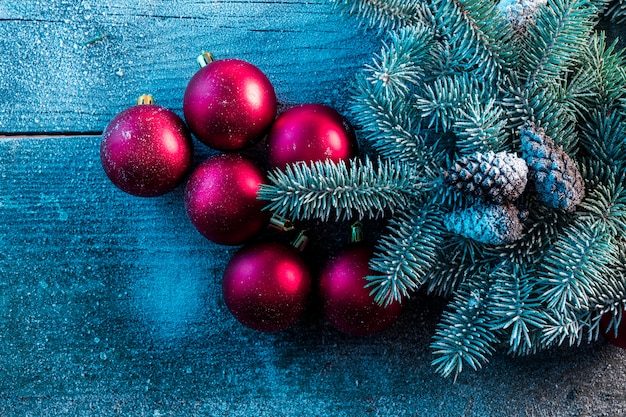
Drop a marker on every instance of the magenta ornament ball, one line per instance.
(310, 132)
(146, 150)
(229, 104)
(347, 304)
(266, 286)
(221, 199)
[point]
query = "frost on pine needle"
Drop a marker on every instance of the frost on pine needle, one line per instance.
(520, 12)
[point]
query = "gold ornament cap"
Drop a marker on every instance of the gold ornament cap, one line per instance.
(301, 241)
(204, 59)
(145, 99)
(281, 223)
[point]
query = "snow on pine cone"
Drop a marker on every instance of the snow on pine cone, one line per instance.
(497, 177)
(487, 223)
(557, 181)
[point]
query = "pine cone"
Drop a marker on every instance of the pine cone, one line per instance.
(557, 180)
(496, 177)
(487, 223)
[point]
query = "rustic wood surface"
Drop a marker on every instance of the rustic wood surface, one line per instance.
(111, 304)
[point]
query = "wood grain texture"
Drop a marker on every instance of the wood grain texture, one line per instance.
(70, 66)
(111, 305)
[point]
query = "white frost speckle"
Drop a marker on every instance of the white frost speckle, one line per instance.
(520, 12)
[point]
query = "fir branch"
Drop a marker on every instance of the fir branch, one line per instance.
(595, 172)
(399, 65)
(480, 127)
(611, 297)
(457, 80)
(464, 335)
(617, 11)
(604, 136)
(478, 29)
(406, 254)
(446, 59)
(604, 65)
(561, 325)
(555, 39)
(391, 126)
(442, 100)
(458, 259)
(358, 188)
(385, 14)
(576, 263)
(545, 105)
(605, 207)
(516, 308)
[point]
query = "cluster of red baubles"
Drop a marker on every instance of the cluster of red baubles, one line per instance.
(230, 105)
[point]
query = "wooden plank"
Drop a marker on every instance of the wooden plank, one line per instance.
(111, 305)
(71, 66)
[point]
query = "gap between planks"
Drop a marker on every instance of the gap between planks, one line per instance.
(46, 135)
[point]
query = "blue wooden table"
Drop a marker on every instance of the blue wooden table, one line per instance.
(111, 304)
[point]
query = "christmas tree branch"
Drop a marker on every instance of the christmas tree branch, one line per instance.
(464, 335)
(441, 100)
(462, 80)
(605, 207)
(545, 105)
(399, 65)
(405, 254)
(480, 32)
(516, 308)
(617, 11)
(605, 66)
(391, 126)
(556, 38)
(317, 190)
(577, 262)
(561, 326)
(385, 14)
(480, 127)
(458, 260)
(610, 298)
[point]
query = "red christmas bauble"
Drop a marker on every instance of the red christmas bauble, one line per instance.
(229, 104)
(221, 199)
(310, 132)
(348, 305)
(146, 150)
(618, 339)
(266, 286)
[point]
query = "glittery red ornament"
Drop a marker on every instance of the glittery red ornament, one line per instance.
(310, 132)
(618, 339)
(221, 199)
(266, 286)
(229, 104)
(146, 150)
(348, 306)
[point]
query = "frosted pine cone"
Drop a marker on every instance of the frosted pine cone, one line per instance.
(557, 180)
(487, 223)
(497, 177)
